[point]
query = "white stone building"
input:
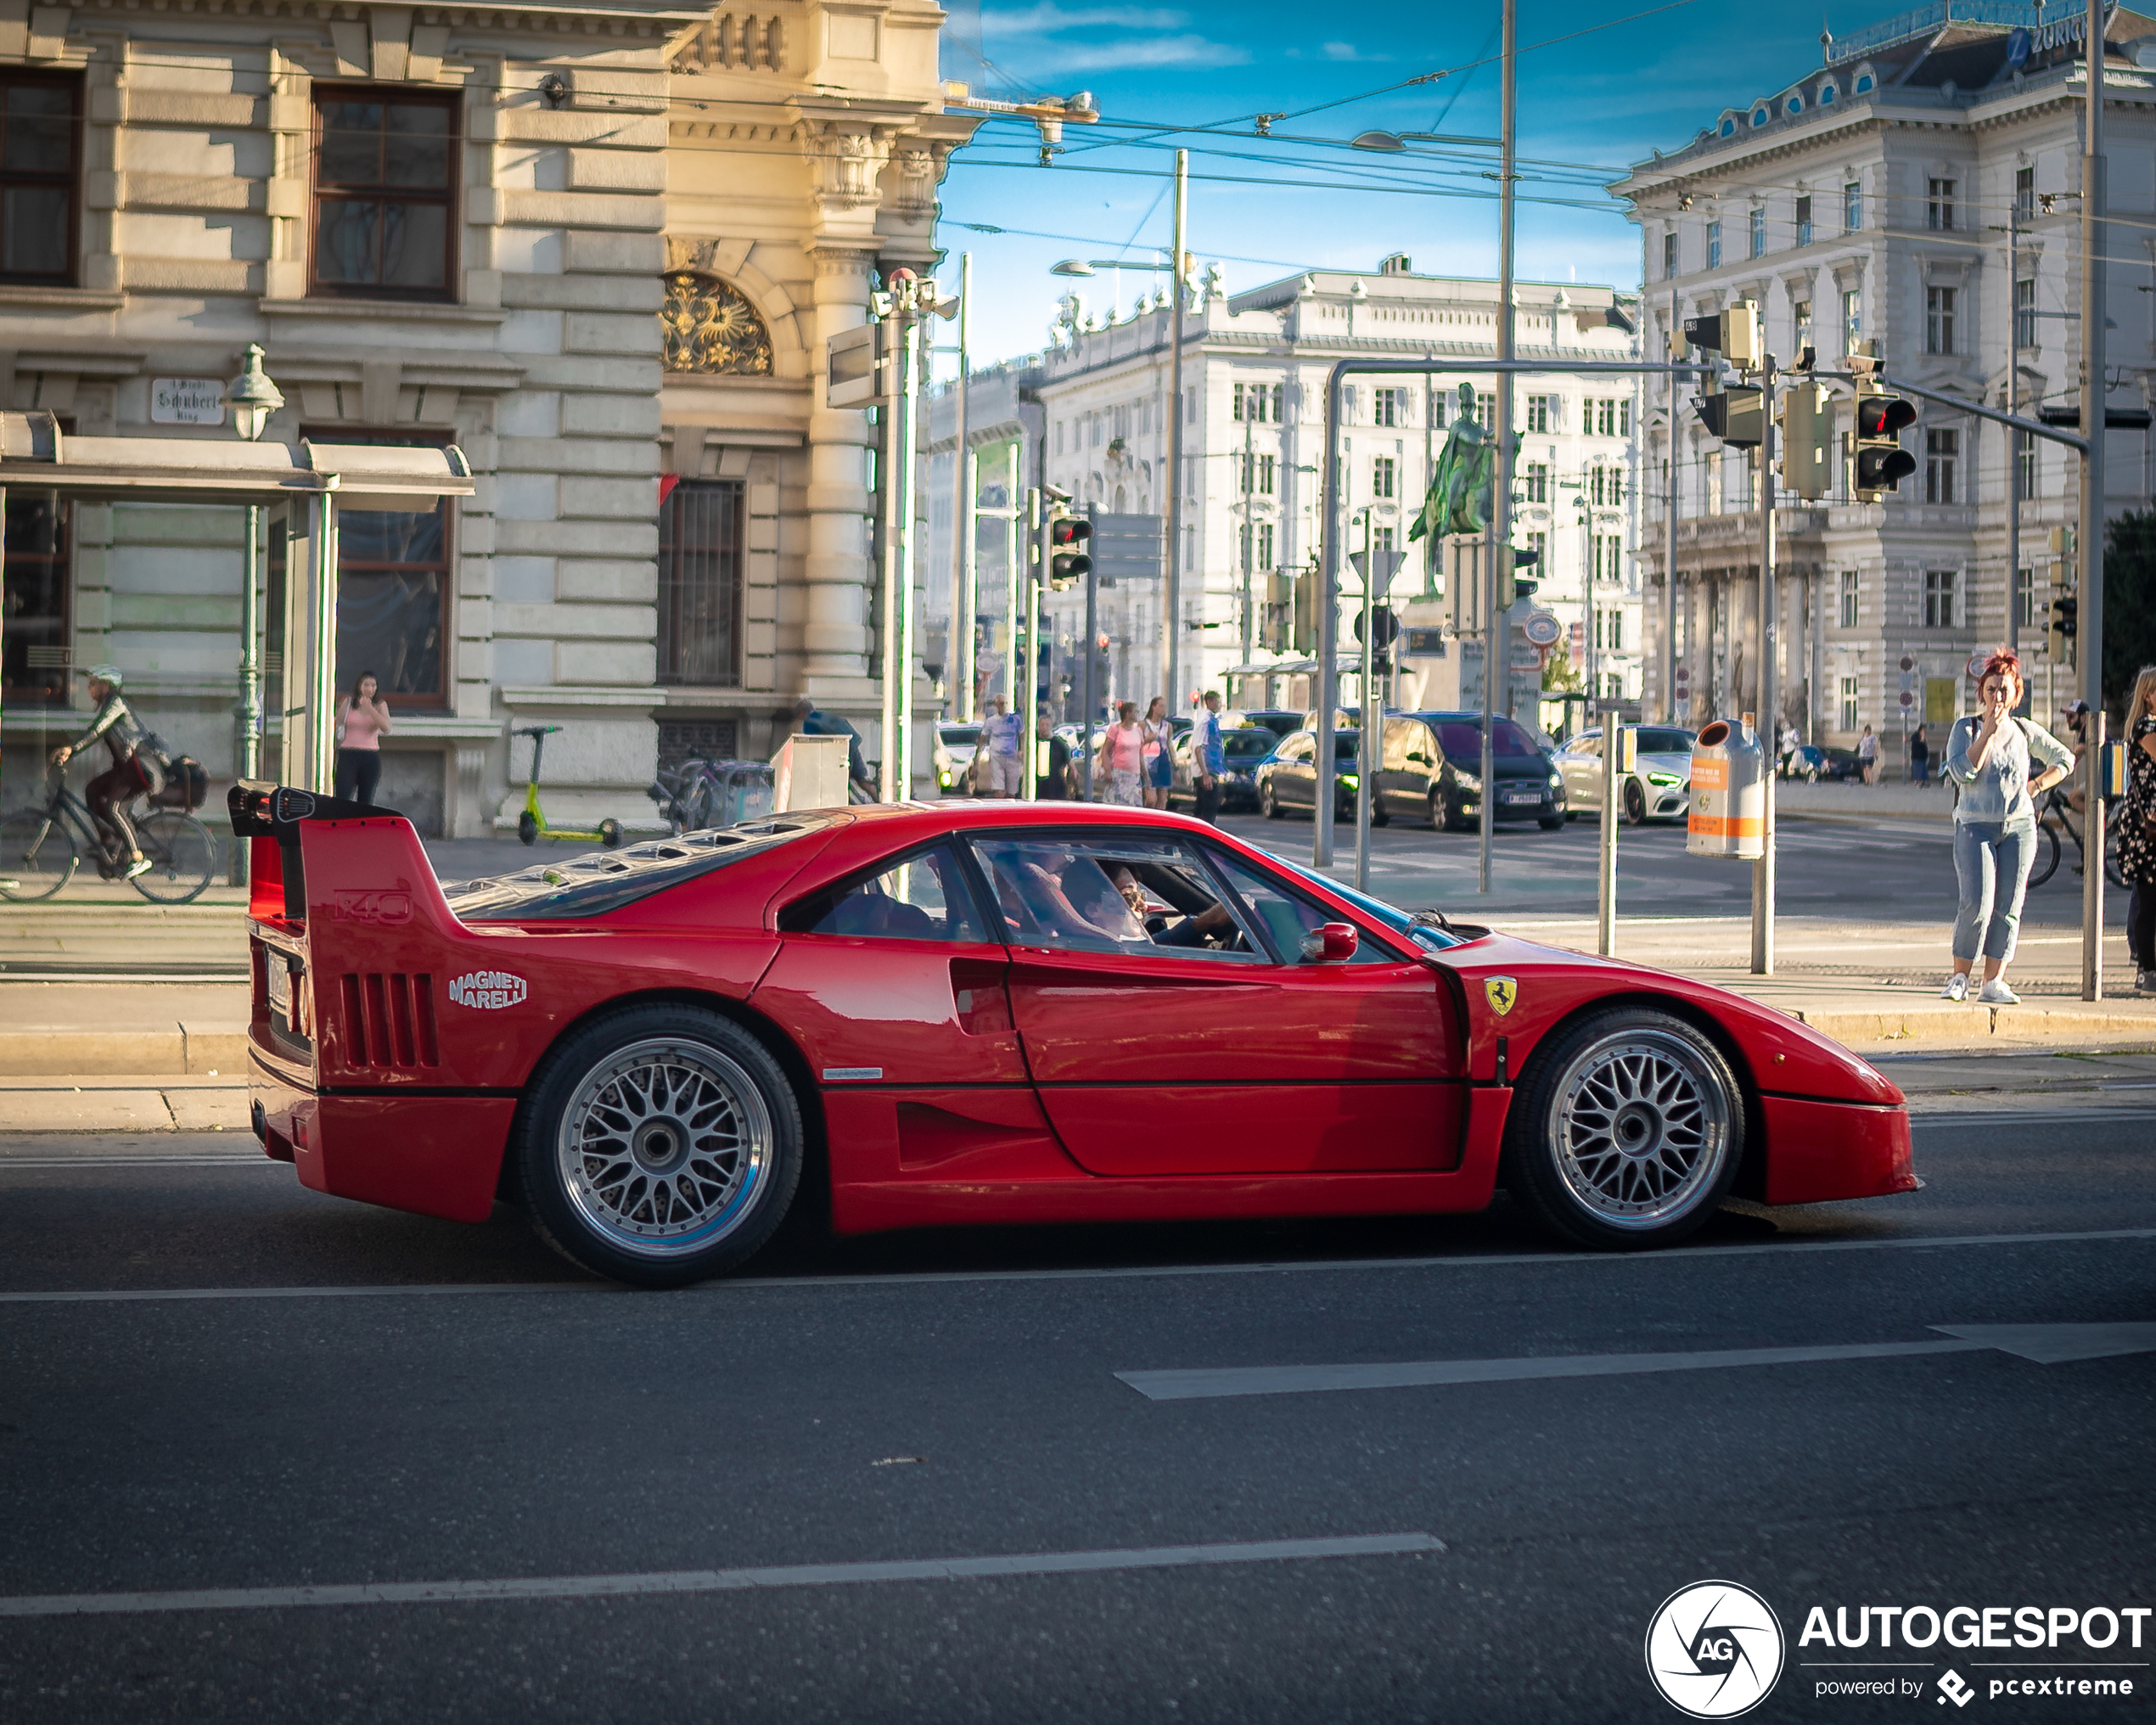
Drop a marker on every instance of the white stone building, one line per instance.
(588, 244)
(1870, 198)
(1254, 370)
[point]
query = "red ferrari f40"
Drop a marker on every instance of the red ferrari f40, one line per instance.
(998, 1013)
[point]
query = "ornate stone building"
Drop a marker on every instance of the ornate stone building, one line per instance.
(591, 245)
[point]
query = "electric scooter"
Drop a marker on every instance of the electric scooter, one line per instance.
(532, 824)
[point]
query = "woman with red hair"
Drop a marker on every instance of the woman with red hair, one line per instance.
(1992, 757)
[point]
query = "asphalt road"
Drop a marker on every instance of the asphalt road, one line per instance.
(347, 1398)
(1895, 870)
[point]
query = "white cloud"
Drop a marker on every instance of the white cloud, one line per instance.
(1155, 51)
(1045, 18)
(1104, 38)
(1349, 51)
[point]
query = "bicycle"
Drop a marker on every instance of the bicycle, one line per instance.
(41, 849)
(532, 824)
(2057, 815)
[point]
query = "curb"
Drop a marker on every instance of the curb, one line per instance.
(1987, 1026)
(184, 1049)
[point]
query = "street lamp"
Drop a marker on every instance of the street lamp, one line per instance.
(252, 396)
(1391, 142)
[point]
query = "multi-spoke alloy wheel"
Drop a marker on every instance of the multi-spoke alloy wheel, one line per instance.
(663, 1146)
(659, 1145)
(1630, 1130)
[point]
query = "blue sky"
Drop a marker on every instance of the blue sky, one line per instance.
(1594, 102)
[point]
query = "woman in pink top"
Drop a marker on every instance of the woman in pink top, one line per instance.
(1122, 755)
(362, 721)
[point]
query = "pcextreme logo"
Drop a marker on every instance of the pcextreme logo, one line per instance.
(1714, 1649)
(488, 989)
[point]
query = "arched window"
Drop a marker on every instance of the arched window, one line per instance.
(712, 329)
(1863, 83)
(1759, 115)
(1826, 94)
(1729, 128)
(1795, 104)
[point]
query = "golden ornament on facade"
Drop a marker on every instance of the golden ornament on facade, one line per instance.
(712, 328)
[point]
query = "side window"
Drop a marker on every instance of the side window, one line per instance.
(1286, 916)
(1131, 897)
(922, 898)
(1588, 743)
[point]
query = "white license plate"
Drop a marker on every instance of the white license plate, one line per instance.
(280, 984)
(1520, 796)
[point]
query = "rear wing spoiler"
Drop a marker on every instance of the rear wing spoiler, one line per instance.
(270, 815)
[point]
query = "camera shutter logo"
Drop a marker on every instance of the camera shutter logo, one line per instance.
(1714, 1649)
(488, 989)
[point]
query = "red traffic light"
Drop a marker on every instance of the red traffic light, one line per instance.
(1069, 529)
(1882, 416)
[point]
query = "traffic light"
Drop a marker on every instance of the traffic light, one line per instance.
(1734, 415)
(1511, 585)
(1279, 630)
(2063, 547)
(1309, 592)
(1384, 626)
(1807, 422)
(1069, 562)
(2063, 608)
(1882, 464)
(1734, 334)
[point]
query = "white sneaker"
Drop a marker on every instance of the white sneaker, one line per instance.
(1996, 993)
(1957, 986)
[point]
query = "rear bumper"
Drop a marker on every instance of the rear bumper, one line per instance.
(1816, 1151)
(431, 1155)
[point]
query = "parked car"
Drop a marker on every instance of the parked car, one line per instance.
(1812, 763)
(1287, 778)
(906, 1017)
(1240, 753)
(1659, 789)
(955, 745)
(1431, 770)
(1279, 722)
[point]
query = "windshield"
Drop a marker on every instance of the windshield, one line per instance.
(1346, 744)
(1426, 936)
(599, 881)
(1656, 740)
(1461, 739)
(961, 734)
(1248, 746)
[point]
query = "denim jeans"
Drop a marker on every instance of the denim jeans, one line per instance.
(1991, 861)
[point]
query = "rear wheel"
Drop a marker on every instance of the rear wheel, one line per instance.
(183, 857)
(659, 1146)
(1627, 1132)
(1268, 804)
(37, 855)
(2047, 855)
(1436, 807)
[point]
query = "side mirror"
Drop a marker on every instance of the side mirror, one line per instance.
(1329, 943)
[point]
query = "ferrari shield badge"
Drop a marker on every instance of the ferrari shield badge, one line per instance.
(1501, 992)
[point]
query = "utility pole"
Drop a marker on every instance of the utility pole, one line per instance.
(963, 584)
(2014, 438)
(1670, 541)
(1171, 621)
(1770, 723)
(1497, 635)
(2090, 616)
(1012, 574)
(891, 786)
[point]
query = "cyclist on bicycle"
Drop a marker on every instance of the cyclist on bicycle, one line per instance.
(135, 771)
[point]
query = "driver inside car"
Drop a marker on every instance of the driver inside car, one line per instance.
(1191, 931)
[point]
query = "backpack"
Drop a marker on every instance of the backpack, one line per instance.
(187, 784)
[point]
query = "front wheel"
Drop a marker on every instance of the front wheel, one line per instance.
(1634, 803)
(1551, 823)
(37, 855)
(1627, 1132)
(183, 857)
(2047, 855)
(659, 1145)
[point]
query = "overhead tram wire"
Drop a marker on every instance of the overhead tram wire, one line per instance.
(1602, 207)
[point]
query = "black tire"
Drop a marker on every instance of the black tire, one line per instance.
(1811, 775)
(1436, 806)
(1551, 822)
(37, 855)
(1634, 803)
(527, 827)
(2047, 855)
(1380, 816)
(1624, 1196)
(610, 833)
(182, 854)
(1268, 804)
(621, 1080)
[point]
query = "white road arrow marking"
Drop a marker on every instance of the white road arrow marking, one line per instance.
(2047, 1344)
